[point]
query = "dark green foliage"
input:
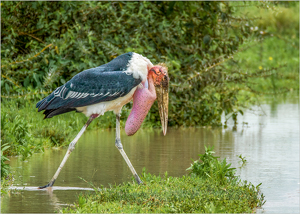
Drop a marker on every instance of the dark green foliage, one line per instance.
(215, 190)
(189, 37)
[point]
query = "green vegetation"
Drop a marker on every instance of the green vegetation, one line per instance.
(212, 187)
(4, 166)
(6, 179)
(243, 160)
(212, 168)
(278, 26)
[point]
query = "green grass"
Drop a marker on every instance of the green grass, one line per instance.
(277, 60)
(211, 187)
(271, 53)
(279, 26)
(274, 17)
(6, 176)
(275, 55)
(4, 165)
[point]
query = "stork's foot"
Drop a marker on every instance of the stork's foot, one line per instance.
(50, 184)
(137, 178)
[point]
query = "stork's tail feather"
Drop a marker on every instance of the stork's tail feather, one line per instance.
(48, 104)
(53, 112)
(42, 105)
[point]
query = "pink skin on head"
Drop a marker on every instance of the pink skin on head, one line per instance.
(143, 99)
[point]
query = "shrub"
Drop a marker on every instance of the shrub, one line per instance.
(212, 168)
(44, 44)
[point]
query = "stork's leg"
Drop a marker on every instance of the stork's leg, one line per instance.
(70, 149)
(120, 148)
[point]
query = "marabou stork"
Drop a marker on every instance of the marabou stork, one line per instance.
(108, 88)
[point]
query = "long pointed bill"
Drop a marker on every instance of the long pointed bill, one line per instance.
(162, 94)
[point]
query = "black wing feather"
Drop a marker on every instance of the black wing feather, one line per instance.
(90, 87)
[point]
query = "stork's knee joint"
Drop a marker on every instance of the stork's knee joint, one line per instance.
(71, 146)
(118, 144)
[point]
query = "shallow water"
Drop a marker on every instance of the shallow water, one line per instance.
(270, 144)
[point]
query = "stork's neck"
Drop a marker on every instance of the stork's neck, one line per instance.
(139, 66)
(143, 99)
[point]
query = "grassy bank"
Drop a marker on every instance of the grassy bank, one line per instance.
(211, 187)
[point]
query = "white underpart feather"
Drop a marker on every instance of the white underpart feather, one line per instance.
(138, 66)
(114, 105)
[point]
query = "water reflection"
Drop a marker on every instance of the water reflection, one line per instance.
(270, 144)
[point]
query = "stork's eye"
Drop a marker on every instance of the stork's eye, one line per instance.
(152, 69)
(157, 72)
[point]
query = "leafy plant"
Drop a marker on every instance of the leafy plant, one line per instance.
(212, 168)
(4, 167)
(21, 137)
(17, 133)
(243, 160)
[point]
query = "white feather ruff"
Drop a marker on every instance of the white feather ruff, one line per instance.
(138, 66)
